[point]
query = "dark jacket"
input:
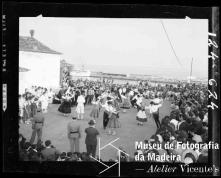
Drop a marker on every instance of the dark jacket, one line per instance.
(91, 136)
(50, 154)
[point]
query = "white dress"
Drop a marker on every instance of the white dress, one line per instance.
(50, 96)
(44, 102)
(80, 105)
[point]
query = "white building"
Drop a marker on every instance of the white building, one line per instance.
(41, 62)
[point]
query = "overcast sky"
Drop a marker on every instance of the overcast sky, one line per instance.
(126, 45)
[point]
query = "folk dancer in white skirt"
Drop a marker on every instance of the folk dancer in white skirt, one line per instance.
(125, 102)
(80, 106)
(141, 116)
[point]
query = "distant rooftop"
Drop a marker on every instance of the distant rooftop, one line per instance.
(23, 69)
(30, 44)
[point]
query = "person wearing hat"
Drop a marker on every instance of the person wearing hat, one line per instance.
(91, 138)
(37, 126)
(74, 135)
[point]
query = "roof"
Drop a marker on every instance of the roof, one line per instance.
(23, 69)
(32, 45)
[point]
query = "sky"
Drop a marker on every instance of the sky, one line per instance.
(126, 45)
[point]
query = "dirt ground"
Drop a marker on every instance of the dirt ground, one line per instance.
(55, 129)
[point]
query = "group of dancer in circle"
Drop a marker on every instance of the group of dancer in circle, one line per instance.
(112, 100)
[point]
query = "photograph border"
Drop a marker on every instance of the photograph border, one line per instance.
(10, 33)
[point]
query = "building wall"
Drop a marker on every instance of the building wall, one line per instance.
(44, 69)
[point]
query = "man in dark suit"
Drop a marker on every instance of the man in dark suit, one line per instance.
(49, 153)
(37, 126)
(91, 138)
(74, 134)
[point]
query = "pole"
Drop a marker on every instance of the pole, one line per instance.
(191, 68)
(119, 163)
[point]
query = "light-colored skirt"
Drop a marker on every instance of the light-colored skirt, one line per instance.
(80, 109)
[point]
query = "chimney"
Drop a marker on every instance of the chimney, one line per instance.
(32, 33)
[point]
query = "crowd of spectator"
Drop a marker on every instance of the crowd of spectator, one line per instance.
(48, 152)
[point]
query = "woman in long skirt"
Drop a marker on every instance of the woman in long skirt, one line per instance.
(44, 102)
(125, 103)
(65, 106)
(95, 109)
(105, 119)
(113, 122)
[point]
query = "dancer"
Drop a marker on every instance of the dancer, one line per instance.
(80, 106)
(51, 95)
(44, 101)
(154, 110)
(65, 106)
(125, 102)
(96, 108)
(141, 116)
(106, 107)
(113, 121)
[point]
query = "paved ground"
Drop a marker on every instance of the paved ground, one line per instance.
(55, 129)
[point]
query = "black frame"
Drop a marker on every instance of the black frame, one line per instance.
(14, 10)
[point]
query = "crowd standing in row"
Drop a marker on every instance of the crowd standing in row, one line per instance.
(187, 122)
